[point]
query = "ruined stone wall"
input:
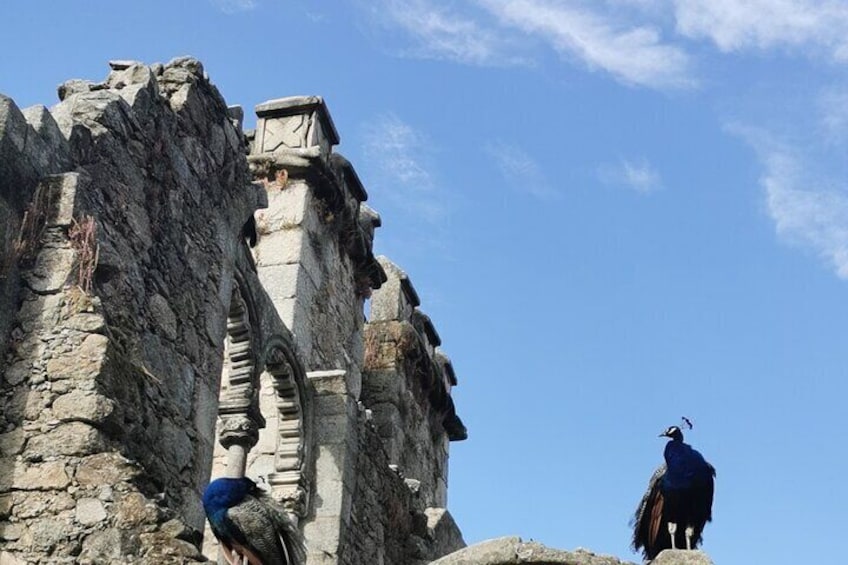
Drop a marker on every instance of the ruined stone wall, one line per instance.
(314, 257)
(111, 382)
(407, 384)
(137, 317)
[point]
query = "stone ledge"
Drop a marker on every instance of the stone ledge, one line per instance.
(514, 551)
(682, 557)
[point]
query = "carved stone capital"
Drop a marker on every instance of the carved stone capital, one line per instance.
(238, 429)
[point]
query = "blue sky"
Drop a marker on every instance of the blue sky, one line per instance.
(617, 212)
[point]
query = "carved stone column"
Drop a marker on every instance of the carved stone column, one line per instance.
(239, 408)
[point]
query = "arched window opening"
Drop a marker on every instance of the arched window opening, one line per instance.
(290, 479)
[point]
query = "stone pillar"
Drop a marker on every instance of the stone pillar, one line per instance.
(314, 258)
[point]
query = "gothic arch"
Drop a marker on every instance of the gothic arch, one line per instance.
(292, 476)
(252, 359)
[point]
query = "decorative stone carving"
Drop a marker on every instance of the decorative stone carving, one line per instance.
(289, 481)
(239, 407)
(295, 122)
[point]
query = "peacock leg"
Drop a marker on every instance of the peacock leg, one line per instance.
(672, 529)
(690, 533)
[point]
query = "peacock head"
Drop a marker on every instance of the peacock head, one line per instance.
(674, 433)
(226, 492)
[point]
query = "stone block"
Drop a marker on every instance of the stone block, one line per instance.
(7, 558)
(322, 539)
(84, 363)
(133, 510)
(83, 406)
(331, 382)
(40, 476)
(108, 546)
(11, 531)
(52, 269)
(12, 443)
(86, 322)
(681, 557)
(396, 299)
(104, 469)
(46, 534)
(72, 438)
(261, 465)
(286, 281)
(295, 122)
(282, 247)
(333, 428)
(16, 374)
(288, 208)
(90, 511)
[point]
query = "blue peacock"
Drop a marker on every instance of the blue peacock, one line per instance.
(678, 502)
(251, 526)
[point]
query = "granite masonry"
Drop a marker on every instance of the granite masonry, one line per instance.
(179, 299)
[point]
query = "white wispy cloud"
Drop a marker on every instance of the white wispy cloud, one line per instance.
(634, 54)
(398, 158)
(833, 113)
(498, 32)
(439, 32)
(808, 209)
(639, 175)
(233, 6)
(734, 25)
(520, 170)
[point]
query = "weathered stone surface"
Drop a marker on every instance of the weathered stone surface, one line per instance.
(41, 476)
(681, 557)
(53, 152)
(11, 532)
(444, 531)
(51, 270)
(7, 558)
(163, 316)
(513, 551)
(108, 546)
(48, 533)
(83, 406)
(134, 510)
(11, 443)
(84, 363)
(86, 322)
(116, 385)
(104, 468)
(90, 511)
(72, 438)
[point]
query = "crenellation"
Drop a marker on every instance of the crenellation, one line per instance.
(397, 298)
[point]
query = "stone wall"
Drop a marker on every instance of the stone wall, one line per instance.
(407, 386)
(111, 380)
(135, 317)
